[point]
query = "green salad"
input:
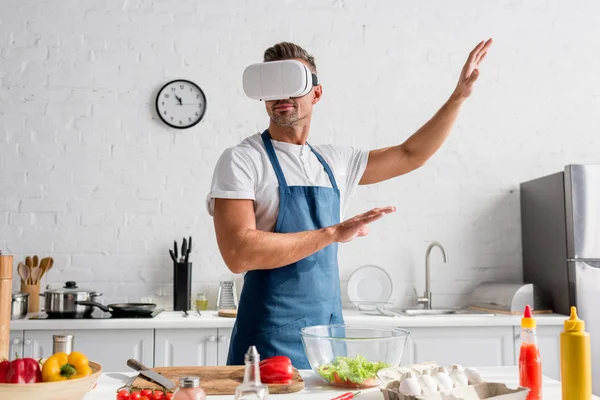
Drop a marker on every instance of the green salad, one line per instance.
(348, 370)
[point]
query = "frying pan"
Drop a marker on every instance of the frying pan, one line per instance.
(123, 309)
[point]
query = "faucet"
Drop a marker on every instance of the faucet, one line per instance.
(426, 299)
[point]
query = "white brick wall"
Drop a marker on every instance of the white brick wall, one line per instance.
(89, 175)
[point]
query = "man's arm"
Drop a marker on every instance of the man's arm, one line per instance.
(391, 162)
(245, 248)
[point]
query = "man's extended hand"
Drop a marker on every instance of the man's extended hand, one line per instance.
(358, 226)
(470, 71)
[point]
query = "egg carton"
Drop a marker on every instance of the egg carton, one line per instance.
(478, 391)
(469, 386)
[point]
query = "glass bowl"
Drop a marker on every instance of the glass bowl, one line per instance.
(351, 356)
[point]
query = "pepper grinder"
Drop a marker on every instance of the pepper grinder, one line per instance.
(6, 274)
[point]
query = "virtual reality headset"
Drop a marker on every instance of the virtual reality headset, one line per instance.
(278, 80)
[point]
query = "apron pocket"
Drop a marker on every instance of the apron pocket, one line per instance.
(281, 340)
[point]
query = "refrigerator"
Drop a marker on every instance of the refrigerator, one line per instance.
(560, 229)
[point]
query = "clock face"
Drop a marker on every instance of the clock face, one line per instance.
(181, 104)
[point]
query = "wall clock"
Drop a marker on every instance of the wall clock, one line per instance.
(181, 104)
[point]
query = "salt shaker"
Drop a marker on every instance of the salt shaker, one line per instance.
(62, 344)
(251, 387)
(189, 389)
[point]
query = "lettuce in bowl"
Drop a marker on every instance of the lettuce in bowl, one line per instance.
(352, 372)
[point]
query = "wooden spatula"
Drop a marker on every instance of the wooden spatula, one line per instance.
(23, 271)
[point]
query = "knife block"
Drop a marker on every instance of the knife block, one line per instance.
(182, 286)
(6, 274)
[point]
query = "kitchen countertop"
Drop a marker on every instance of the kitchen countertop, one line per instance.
(317, 389)
(210, 319)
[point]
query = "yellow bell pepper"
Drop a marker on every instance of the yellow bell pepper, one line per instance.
(60, 367)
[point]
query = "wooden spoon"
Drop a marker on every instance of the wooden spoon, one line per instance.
(48, 266)
(36, 274)
(29, 263)
(23, 272)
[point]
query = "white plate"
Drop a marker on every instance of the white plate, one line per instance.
(368, 286)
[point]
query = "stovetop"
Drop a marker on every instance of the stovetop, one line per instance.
(95, 315)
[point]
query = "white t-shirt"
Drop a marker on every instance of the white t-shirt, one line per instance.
(245, 172)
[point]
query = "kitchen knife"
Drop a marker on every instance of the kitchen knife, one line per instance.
(175, 249)
(151, 375)
(187, 256)
(183, 250)
(172, 256)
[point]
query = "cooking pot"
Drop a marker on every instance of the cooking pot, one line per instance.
(62, 302)
(19, 305)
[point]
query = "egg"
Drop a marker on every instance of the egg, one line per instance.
(410, 385)
(443, 379)
(428, 384)
(473, 376)
(458, 376)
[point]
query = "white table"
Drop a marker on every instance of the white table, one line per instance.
(317, 390)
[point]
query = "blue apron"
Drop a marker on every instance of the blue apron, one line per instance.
(275, 304)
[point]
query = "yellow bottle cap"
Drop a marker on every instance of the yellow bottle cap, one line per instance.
(527, 321)
(574, 324)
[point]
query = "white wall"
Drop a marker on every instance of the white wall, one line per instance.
(89, 175)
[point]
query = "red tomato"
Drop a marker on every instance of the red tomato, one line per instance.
(123, 395)
(146, 392)
(158, 395)
(135, 396)
(169, 396)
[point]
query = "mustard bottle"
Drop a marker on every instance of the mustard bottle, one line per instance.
(575, 360)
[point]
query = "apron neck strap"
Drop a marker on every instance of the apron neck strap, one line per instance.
(273, 158)
(326, 167)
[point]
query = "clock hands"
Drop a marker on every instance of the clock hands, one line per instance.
(178, 99)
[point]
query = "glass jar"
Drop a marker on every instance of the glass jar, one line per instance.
(201, 302)
(189, 389)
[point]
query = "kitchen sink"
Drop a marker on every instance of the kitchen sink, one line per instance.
(440, 311)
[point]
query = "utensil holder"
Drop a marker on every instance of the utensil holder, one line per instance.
(34, 297)
(182, 286)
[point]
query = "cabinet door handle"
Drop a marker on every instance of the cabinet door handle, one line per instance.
(16, 341)
(222, 338)
(212, 338)
(27, 342)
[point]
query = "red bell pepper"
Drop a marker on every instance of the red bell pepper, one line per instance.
(276, 370)
(21, 370)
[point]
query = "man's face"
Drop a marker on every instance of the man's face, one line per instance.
(291, 112)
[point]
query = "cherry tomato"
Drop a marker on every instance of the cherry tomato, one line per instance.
(146, 392)
(158, 395)
(123, 395)
(169, 396)
(135, 396)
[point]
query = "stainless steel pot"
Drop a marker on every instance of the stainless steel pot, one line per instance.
(19, 304)
(62, 303)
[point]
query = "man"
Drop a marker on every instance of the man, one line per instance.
(277, 201)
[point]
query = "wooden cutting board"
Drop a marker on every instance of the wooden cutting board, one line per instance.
(216, 380)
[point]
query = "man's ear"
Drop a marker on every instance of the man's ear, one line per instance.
(317, 93)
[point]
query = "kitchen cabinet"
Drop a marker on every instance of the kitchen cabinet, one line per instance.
(207, 346)
(111, 348)
(16, 345)
(223, 345)
(549, 344)
(468, 346)
(186, 347)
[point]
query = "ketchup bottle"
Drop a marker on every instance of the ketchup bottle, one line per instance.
(530, 364)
